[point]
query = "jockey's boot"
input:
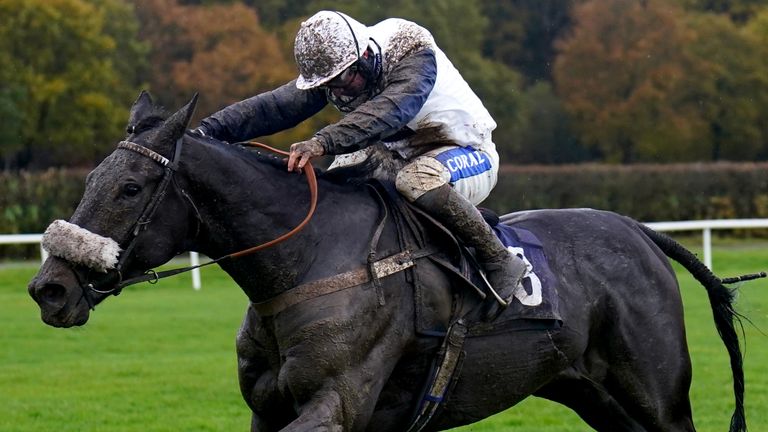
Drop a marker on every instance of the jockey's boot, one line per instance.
(503, 269)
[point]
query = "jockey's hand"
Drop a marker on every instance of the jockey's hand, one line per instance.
(199, 131)
(302, 152)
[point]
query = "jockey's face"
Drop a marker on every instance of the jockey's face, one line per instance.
(348, 83)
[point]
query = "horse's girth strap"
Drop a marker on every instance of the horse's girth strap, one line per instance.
(382, 268)
(449, 367)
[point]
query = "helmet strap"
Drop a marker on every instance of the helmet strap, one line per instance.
(354, 37)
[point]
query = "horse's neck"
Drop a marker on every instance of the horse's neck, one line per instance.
(243, 203)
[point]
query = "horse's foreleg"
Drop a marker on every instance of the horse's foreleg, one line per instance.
(322, 413)
(337, 354)
(335, 393)
(258, 382)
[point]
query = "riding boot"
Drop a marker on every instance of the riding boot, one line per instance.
(503, 269)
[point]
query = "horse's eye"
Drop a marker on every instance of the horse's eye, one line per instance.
(131, 189)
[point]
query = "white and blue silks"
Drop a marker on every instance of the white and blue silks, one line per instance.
(416, 103)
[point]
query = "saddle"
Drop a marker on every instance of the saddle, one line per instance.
(532, 305)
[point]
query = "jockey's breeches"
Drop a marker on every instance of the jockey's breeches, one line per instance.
(472, 173)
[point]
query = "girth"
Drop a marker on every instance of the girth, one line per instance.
(353, 278)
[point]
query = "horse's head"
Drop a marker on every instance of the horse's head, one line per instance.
(132, 217)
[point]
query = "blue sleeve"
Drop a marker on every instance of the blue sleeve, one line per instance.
(265, 114)
(407, 88)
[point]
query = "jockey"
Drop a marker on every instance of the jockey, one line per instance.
(398, 91)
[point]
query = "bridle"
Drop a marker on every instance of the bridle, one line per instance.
(170, 167)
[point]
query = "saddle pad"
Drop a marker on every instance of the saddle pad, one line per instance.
(536, 297)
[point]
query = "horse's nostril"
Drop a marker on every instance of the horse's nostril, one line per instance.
(51, 293)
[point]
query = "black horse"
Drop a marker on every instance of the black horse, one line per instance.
(350, 358)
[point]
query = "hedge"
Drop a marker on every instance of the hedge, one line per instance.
(645, 192)
(30, 201)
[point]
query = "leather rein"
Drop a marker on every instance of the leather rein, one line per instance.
(171, 166)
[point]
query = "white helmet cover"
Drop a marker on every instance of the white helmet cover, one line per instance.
(326, 44)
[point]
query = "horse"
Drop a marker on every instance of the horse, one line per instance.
(322, 352)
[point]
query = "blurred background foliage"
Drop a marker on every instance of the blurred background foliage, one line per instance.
(568, 81)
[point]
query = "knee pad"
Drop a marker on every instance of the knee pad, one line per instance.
(421, 176)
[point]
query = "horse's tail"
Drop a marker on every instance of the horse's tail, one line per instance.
(721, 300)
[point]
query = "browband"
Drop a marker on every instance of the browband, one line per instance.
(155, 156)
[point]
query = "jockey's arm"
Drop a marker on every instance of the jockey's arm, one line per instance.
(407, 89)
(265, 113)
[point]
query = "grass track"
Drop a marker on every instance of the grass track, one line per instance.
(161, 358)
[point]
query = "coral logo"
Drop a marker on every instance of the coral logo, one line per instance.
(464, 162)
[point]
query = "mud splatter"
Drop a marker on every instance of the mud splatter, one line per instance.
(409, 38)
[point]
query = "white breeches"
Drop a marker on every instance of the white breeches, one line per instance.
(472, 173)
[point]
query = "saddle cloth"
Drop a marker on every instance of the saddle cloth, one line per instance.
(536, 298)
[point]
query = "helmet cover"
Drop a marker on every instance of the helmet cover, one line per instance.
(326, 44)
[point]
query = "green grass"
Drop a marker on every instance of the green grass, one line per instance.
(161, 358)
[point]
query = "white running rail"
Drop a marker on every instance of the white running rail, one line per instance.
(705, 226)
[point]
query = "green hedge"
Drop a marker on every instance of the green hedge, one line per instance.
(30, 201)
(645, 192)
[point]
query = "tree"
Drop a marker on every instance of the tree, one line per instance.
(524, 32)
(740, 11)
(615, 74)
(757, 29)
(649, 83)
(219, 50)
(275, 13)
(541, 132)
(729, 86)
(69, 73)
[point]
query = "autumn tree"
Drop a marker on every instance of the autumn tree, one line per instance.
(757, 29)
(70, 71)
(615, 73)
(729, 87)
(219, 51)
(649, 83)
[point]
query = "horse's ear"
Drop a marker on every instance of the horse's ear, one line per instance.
(173, 128)
(139, 110)
(188, 111)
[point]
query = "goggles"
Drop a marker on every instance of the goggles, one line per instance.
(343, 79)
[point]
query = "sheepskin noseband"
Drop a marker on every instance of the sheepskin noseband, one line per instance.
(78, 245)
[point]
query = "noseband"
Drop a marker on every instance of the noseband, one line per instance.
(170, 167)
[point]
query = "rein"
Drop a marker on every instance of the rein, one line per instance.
(311, 181)
(170, 167)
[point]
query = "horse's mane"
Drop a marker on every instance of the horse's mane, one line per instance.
(156, 115)
(257, 156)
(354, 175)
